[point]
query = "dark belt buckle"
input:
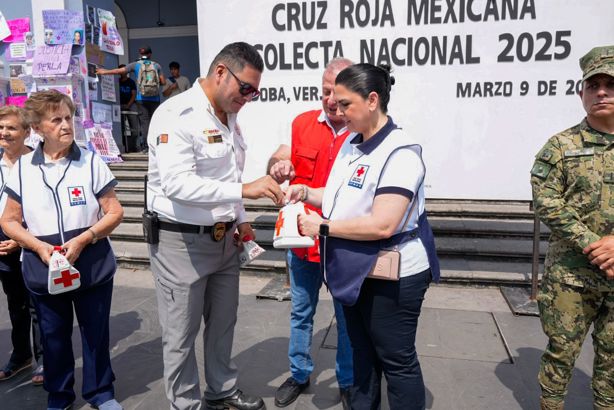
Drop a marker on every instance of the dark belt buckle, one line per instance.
(218, 231)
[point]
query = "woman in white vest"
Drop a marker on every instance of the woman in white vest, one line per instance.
(14, 129)
(65, 197)
(374, 201)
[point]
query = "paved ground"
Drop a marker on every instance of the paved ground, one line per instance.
(475, 354)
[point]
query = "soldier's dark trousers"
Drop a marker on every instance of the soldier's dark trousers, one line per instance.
(567, 313)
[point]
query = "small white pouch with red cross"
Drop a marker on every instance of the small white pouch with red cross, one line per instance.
(63, 277)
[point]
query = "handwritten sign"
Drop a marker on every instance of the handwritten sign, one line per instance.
(107, 88)
(17, 52)
(63, 27)
(110, 40)
(18, 28)
(51, 60)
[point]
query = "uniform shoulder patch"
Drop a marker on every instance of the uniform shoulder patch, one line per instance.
(541, 169)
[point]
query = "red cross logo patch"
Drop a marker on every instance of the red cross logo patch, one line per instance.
(76, 195)
(358, 177)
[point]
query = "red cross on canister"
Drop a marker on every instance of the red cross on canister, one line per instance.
(63, 277)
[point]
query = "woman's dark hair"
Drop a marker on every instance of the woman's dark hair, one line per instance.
(366, 78)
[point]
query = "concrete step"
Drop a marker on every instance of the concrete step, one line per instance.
(462, 246)
(129, 166)
(454, 270)
(135, 157)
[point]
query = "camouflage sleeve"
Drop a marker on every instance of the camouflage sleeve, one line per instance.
(548, 182)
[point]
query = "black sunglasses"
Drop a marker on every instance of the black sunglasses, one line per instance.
(245, 88)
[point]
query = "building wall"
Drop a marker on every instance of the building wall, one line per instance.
(169, 42)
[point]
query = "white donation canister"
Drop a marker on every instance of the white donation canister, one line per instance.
(63, 277)
(286, 228)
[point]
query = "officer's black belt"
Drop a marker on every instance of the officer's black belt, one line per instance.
(188, 228)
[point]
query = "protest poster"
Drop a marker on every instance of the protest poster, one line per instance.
(92, 89)
(94, 54)
(100, 140)
(51, 60)
(101, 112)
(16, 52)
(15, 70)
(5, 31)
(107, 88)
(18, 28)
(29, 40)
(110, 40)
(17, 86)
(18, 100)
(63, 27)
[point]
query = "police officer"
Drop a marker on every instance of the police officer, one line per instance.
(573, 193)
(196, 158)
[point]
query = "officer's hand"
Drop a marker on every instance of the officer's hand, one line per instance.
(44, 252)
(601, 252)
(309, 224)
(282, 171)
(294, 193)
(245, 231)
(72, 249)
(263, 187)
(8, 246)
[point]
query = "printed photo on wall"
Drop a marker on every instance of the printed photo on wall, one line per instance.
(77, 38)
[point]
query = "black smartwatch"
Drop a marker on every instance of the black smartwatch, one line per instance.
(324, 228)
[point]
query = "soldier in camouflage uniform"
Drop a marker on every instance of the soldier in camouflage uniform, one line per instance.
(573, 193)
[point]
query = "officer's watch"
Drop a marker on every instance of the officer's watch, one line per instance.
(324, 228)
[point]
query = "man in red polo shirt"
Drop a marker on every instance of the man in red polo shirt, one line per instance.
(316, 138)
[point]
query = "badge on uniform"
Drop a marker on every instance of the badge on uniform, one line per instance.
(76, 195)
(218, 231)
(358, 177)
(213, 135)
(162, 139)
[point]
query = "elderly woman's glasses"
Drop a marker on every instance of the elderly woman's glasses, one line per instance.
(245, 88)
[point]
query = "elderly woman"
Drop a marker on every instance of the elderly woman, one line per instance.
(69, 203)
(14, 128)
(374, 201)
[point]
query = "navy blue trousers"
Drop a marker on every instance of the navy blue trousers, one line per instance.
(382, 327)
(92, 307)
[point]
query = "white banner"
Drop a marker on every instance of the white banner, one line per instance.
(482, 84)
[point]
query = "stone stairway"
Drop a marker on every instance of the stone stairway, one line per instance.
(478, 241)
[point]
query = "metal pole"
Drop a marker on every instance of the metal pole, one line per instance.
(536, 240)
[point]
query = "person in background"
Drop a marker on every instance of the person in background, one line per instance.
(149, 79)
(176, 83)
(127, 97)
(573, 193)
(317, 136)
(14, 129)
(65, 194)
(374, 201)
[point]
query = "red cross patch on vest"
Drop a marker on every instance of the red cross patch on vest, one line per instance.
(76, 195)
